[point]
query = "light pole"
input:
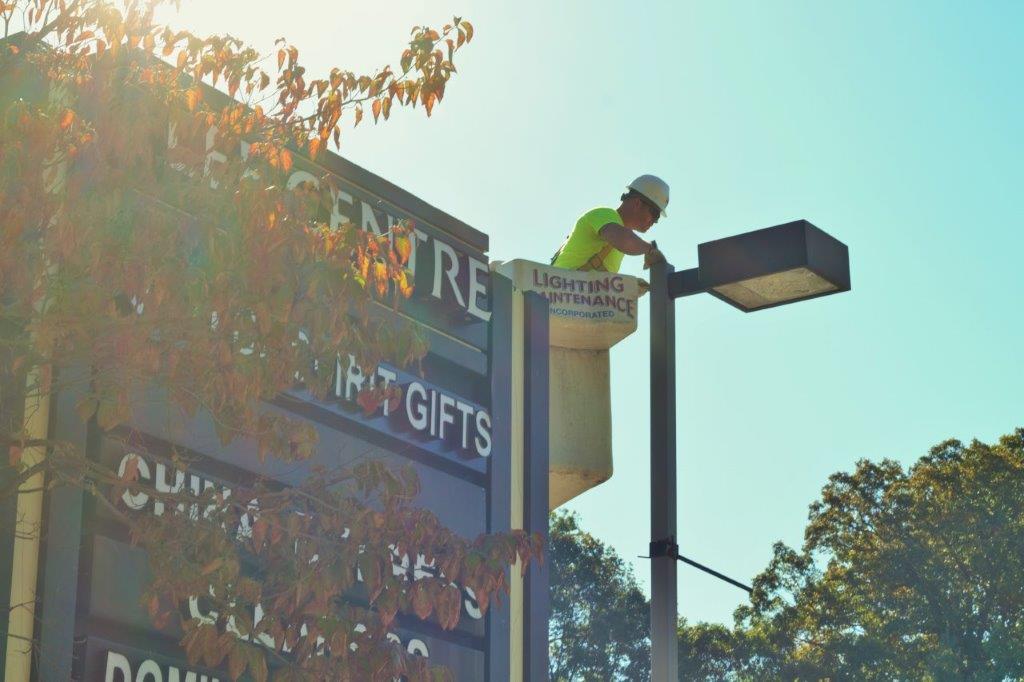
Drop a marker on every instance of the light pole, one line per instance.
(751, 271)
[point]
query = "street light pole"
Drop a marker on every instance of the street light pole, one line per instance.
(663, 550)
(751, 271)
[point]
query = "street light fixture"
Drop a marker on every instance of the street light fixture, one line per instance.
(767, 268)
(752, 271)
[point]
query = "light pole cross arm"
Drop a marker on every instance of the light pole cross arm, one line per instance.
(685, 283)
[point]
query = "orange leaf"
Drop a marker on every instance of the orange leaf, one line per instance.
(376, 109)
(263, 320)
(404, 287)
(421, 605)
(449, 607)
(258, 666)
(131, 469)
(259, 534)
(380, 273)
(236, 661)
(286, 160)
(395, 399)
(369, 400)
(403, 245)
(67, 119)
(86, 408)
(212, 566)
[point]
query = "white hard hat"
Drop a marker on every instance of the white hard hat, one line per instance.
(654, 188)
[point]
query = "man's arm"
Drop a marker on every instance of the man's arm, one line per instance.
(625, 240)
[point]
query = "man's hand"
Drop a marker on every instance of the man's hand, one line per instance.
(653, 256)
(626, 241)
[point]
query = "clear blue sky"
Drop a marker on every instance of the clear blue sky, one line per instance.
(896, 127)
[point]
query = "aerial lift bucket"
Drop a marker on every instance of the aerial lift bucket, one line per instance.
(589, 313)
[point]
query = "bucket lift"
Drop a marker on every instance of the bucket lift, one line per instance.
(589, 313)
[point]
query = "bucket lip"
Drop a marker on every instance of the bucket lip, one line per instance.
(567, 329)
(504, 266)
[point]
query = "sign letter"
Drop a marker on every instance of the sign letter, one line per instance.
(117, 663)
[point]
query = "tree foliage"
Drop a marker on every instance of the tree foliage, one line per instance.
(151, 240)
(906, 573)
(599, 615)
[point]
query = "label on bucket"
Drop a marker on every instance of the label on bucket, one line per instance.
(589, 310)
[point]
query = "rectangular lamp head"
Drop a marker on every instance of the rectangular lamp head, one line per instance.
(774, 266)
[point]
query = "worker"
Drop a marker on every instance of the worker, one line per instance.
(602, 236)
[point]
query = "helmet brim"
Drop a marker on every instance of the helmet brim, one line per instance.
(664, 211)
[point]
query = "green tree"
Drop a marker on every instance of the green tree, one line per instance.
(599, 615)
(904, 574)
(709, 651)
(600, 618)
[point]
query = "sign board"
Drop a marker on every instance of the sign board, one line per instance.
(445, 436)
(448, 261)
(427, 416)
(443, 426)
(452, 426)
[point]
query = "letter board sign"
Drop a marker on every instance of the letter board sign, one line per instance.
(443, 426)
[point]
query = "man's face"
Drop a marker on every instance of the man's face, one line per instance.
(644, 213)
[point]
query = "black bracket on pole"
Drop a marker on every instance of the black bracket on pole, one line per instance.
(667, 547)
(660, 548)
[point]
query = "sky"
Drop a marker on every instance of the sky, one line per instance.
(895, 127)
